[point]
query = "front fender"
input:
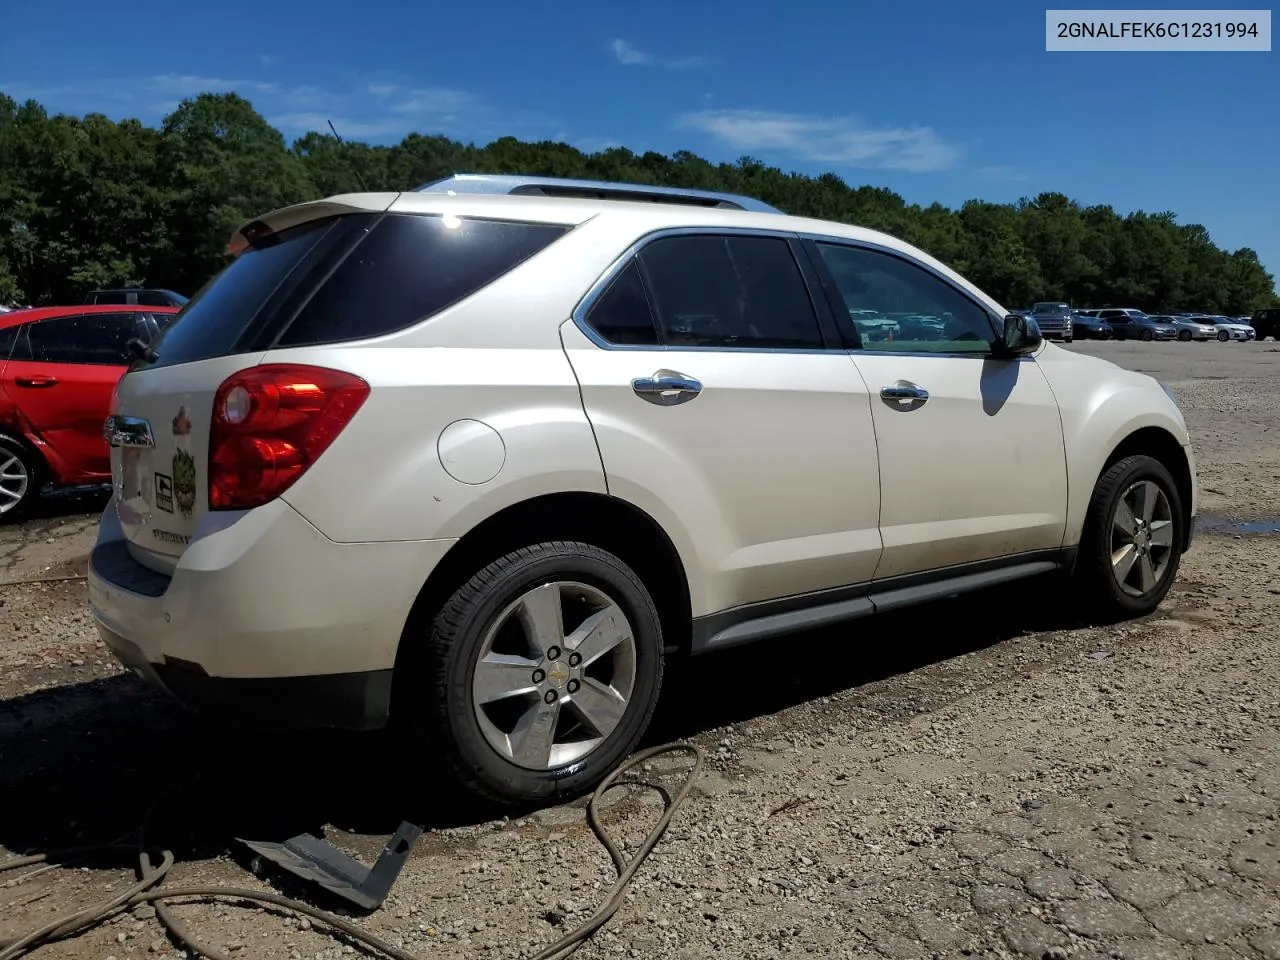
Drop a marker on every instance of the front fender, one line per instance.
(1094, 429)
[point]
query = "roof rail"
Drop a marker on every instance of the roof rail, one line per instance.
(590, 189)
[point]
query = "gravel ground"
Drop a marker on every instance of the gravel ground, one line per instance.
(1005, 783)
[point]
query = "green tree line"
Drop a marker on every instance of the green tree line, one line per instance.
(88, 202)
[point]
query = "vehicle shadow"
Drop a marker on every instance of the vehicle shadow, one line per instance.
(61, 506)
(91, 763)
(753, 681)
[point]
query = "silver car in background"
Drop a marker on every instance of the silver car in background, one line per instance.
(1229, 328)
(1191, 327)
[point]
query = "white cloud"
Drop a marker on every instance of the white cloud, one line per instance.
(368, 108)
(631, 56)
(628, 54)
(841, 141)
(434, 100)
(348, 128)
(174, 84)
(1001, 173)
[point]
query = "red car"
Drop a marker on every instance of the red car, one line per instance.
(60, 366)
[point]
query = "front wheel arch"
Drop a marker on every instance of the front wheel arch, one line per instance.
(1163, 446)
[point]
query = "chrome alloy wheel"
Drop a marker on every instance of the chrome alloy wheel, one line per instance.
(14, 481)
(1141, 538)
(554, 675)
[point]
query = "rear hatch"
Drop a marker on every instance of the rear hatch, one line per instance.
(162, 410)
(320, 273)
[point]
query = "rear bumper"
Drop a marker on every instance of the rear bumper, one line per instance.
(345, 701)
(264, 619)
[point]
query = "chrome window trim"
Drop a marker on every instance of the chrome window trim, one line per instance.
(819, 238)
(594, 292)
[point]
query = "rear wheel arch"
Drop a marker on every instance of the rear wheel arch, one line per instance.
(607, 522)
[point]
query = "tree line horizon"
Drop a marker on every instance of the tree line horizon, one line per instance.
(89, 202)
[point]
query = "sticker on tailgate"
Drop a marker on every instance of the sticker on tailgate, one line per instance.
(164, 492)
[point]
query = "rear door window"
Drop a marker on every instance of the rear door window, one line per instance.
(410, 268)
(730, 291)
(622, 314)
(94, 338)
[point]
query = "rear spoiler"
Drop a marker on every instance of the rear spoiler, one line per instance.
(255, 232)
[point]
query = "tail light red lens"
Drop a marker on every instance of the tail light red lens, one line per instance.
(270, 423)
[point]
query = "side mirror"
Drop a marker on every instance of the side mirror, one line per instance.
(1021, 336)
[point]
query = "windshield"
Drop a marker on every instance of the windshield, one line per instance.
(1052, 309)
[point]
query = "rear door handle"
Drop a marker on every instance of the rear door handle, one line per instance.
(666, 388)
(905, 393)
(37, 381)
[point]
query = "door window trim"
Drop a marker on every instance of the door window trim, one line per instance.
(840, 309)
(827, 328)
(30, 355)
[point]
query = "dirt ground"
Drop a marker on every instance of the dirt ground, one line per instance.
(981, 778)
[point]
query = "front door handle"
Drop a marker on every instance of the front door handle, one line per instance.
(905, 394)
(39, 380)
(666, 388)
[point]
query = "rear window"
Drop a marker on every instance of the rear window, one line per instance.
(409, 268)
(215, 318)
(158, 298)
(346, 278)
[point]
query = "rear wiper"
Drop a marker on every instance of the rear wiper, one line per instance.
(142, 351)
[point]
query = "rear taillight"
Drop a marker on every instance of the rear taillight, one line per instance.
(270, 423)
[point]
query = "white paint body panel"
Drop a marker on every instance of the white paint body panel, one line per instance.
(770, 472)
(787, 475)
(976, 472)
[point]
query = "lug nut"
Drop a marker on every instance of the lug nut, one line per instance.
(539, 676)
(549, 697)
(573, 686)
(553, 653)
(575, 659)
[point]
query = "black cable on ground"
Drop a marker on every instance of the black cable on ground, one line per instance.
(149, 886)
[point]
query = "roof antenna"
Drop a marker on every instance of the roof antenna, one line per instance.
(354, 168)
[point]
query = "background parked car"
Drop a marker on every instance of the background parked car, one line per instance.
(1087, 327)
(1054, 320)
(1266, 323)
(139, 296)
(1231, 329)
(1131, 324)
(58, 367)
(1190, 328)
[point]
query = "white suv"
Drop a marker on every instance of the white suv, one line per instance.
(482, 460)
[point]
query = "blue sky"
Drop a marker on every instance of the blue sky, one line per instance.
(936, 100)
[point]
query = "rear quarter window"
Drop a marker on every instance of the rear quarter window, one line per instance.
(410, 267)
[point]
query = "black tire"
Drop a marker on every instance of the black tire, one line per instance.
(1223, 336)
(1102, 595)
(1184, 336)
(445, 722)
(1067, 339)
(15, 511)
(1146, 335)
